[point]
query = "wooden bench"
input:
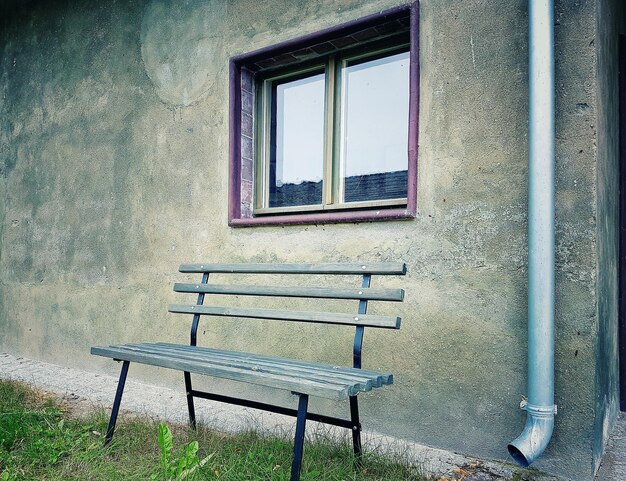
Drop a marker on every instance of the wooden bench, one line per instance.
(303, 378)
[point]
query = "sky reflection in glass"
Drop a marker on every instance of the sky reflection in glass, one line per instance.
(297, 161)
(374, 128)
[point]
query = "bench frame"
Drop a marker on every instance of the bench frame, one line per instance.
(301, 413)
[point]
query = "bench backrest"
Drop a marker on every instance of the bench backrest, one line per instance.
(363, 294)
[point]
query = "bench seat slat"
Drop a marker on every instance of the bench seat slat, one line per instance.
(385, 378)
(367, 320)
(329, 388)
(286, 365)
(385, 268)
(306, 292)
(359, 382)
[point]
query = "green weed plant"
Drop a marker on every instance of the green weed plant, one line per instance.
(184, 466)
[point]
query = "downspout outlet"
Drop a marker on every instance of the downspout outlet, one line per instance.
(536, 435)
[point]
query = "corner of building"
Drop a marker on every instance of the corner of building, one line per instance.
(609, 24)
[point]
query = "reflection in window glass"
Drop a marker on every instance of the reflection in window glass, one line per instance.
(297, 142)
(374, 129)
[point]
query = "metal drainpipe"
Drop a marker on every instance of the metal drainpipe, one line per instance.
(540, 407)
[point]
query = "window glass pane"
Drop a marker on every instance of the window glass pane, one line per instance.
(297, 142)
(374, 129)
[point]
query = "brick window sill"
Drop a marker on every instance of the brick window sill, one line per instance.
(325, 217)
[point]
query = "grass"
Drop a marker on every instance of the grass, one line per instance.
(39, 439)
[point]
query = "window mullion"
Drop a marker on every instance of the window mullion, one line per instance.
(329, 135)
(338, 137)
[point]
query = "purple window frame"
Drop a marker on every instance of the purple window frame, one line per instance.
(240, 182)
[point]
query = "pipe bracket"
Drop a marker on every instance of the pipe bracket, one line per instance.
(538, 411)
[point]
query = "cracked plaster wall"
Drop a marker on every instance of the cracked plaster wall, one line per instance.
(113, 170)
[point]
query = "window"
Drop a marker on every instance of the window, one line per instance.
(324, 128)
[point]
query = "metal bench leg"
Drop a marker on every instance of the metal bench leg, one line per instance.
(190, 406)
(116, 403)
(356, 427)
(298, 448)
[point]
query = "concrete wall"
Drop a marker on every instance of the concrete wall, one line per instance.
(608, 25)
(113, 170)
